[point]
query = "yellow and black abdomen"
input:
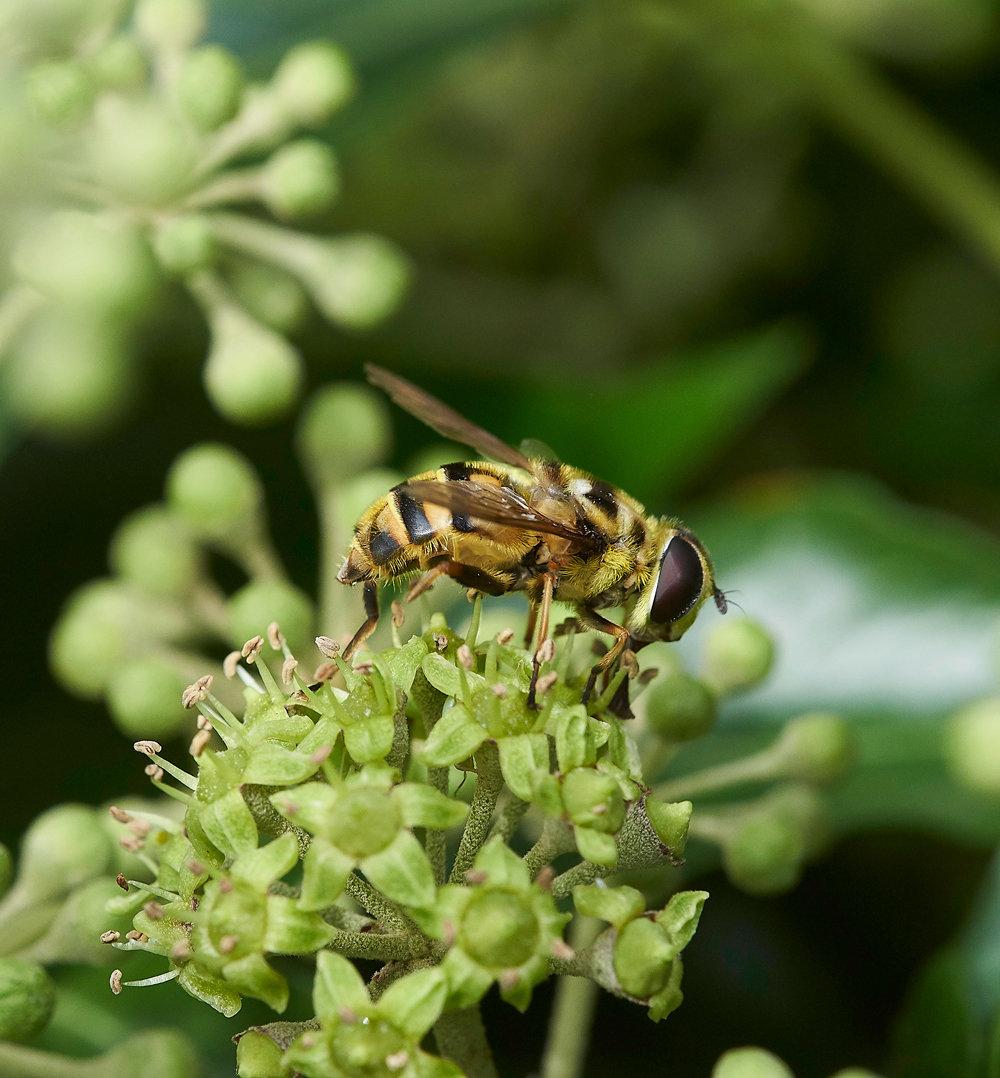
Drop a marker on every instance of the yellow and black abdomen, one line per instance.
(398, 534)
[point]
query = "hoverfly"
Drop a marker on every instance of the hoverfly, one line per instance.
(550, 530)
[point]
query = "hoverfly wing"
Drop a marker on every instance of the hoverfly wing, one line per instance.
(499, 505)
(446, 421)
(536, 450)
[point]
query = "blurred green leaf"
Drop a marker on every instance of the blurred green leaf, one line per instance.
(652, 427)
(881, 611)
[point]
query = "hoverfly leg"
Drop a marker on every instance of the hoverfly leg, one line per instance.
(529, 629)
(595, 621)
(544, 610)
(371, 620)
(426, 582)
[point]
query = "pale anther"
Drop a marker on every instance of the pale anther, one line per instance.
(199, 741)
(287, 669)
(116, 982)
(547, 650)
(546, 681)
(365, 667)
(398, 613)
(140, 828)
(131, 843)
(464, 656)
(153, 910)
(561, 949)
(398, 1060)
(500, 689)
(120, 814)
(274, 637)
(327, 646)
(325, 671)
(440, 641)
(110, 936)
(229, 664)
(545, 877)
(147, 748)
(321, 754)
(154, 771)
(505, 637)
(228, 944)
(475, 875)
(251, 649)
(181, 951)
(630, 663)
(204, 723)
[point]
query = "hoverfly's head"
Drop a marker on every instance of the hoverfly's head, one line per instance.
(682, 579)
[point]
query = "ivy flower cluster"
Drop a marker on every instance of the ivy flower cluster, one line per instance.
(147, 140)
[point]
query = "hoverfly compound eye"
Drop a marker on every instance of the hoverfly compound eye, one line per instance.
(679, 584)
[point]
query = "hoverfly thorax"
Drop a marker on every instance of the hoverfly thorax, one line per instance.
(681, 580)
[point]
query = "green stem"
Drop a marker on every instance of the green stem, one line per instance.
(488, 786)
(384, 911)
(909, 144)
(510, 818)
(378, 946)
(584, 872)
(760, 767)
(434, 842)
(572, 1011)
(461, 1037)
(556, 838)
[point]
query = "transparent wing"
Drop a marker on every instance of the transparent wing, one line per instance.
(446, 421)
(536, 450)
(500, 505)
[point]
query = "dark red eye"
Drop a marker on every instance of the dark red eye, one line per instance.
(679, 583)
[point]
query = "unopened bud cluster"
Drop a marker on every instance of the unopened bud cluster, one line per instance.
(140, 140)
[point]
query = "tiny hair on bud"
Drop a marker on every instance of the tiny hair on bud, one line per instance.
(561, 949)
(230, 662)
(252, 648)
(321, 754)
(116, 982)
(546, 681)
(274, 637)
(199, 741)
(327, 646)
(288, 669)
(120, 814)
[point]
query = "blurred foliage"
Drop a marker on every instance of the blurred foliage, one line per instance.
(685, 244)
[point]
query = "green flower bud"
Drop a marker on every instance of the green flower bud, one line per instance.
(300, 179)
(119, 64)
(144, 697)
(413, 1004)
(855, 1072)
(750, 1063)
(738, 655)
(170, 25)
(87, 263)
(184, 245)
(586, 789)
(252, 375)
(344, 430)
(68, 376)
(6, 869)
(257, 1056)
(764, 856)
(228, 823)
(153, 1053)
(61, 91)
(153, 550)
(972, 746)
(270, 295)
(260, 602)
(141, 151)
(74, 934)
(64, 847)
(27, 999)
(89, 642)
(643, 956)
(217, 493)
(364, 822)
(324, 872)
(313, 81)
(423, 806)
(455, 737)
(402, 872)
(499, 930)
(816, 748)
(679, 707)
(291, 930)
(210, 87)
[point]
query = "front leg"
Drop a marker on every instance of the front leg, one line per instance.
(593, 620)
(371, 620)
(544, 610)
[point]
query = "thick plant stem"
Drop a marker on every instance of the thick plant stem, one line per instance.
(762, 766)
(572, 1011)
(434, 843)
(484, 801)
(556, 838)
(380, 908)
(461, 1037)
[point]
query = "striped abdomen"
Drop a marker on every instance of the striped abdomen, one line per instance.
(399, 535)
